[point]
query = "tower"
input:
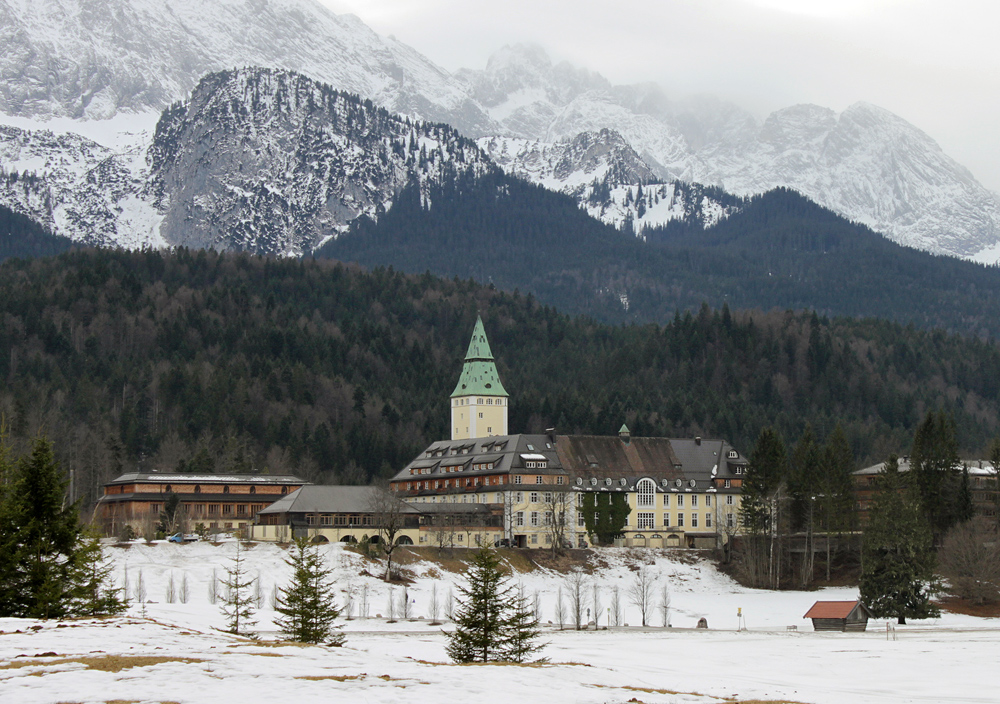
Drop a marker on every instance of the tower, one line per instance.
(479, 401)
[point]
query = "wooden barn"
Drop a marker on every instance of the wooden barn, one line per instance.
(839, 616)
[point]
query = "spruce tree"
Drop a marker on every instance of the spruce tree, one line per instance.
(897, 552)
(491, 624)
(238, 603)
(95, 593)
(307, 605)
(41, 533)
(937, 470)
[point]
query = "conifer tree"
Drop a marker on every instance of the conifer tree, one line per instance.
(95, 593)
(308, 605)
(238, 603)
(937, 470)
(491, 624)
(897, 553)
(40, 536)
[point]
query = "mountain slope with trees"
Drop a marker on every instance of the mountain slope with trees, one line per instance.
(779, 250)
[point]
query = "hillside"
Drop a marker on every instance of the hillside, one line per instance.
(778, 250)
(240, 363)
(24, 238)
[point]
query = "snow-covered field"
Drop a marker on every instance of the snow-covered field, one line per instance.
(175, 653)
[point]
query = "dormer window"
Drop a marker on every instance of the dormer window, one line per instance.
(733, 454)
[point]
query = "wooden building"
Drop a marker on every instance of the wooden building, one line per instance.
(219, 502)
(839, 616)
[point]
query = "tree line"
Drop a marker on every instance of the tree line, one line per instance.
(206, 362)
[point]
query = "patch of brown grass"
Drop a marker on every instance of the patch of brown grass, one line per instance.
(958, 605)
(104, 663)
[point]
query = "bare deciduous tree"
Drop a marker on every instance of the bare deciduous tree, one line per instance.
(970, 558)
(595, 593)
(388, 516)
(558, 505)
(615, 615)
(560, 609)
(576, 587)
(642, 591)
(665, 604)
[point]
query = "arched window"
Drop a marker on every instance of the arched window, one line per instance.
(646, 493)
(225, 490)
(253, 490)
(197, 488)
(168, 488)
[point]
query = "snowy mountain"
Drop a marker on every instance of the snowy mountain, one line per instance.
(271, 161)
(94, 58)
(609, 180)
(89, 60)
(258, 159)
(865, 163)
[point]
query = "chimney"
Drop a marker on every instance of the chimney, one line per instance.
(697, 441)
(551, 432)
(624, 434)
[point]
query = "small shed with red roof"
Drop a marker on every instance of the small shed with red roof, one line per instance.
(839, 616)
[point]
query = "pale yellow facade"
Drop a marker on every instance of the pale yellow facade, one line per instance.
(478, 417)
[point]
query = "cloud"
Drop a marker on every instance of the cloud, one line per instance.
(934, 64)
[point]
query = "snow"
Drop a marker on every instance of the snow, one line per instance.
(926, 661)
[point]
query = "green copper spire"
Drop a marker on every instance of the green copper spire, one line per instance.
(479, 373)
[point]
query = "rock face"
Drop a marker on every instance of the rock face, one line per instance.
(94, 58)
(865, 163)
(271, 161)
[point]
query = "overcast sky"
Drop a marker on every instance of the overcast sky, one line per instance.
(934, 63)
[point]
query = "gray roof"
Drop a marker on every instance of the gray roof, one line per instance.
(178, 478)
(976, 467)
(504, 451)
(313, 498)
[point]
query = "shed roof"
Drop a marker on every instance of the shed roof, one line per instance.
(832, 609)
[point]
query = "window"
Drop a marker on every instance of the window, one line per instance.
(538, 480)
(739, 470)
(646, 521)
(534, 518)
(534, 539)
(694, 501)
(499, 498)
(311, 519)
(666, 501)
(730, 520)
(480, 415)
(519, 518)
(694, 520)
(241, 510)
(728, 483)
(729, 500)
(680, 520)
(326, 520)
(666, 520)
(560, 479)
(225, 490)
(646, 493)
(213, 509)
(533, 497)
(708, 520)
(519, 498)
(167, 489)
(708, 500)
(680, 501)
(548, 539)
(547, 497)
(547, 518)
(253, 490)
(517, 478)
(581, 520)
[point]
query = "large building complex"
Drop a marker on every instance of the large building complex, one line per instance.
(487, 486)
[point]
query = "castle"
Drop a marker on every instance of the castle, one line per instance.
(486, 486)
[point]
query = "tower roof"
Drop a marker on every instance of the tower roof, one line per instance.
(479, 373)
